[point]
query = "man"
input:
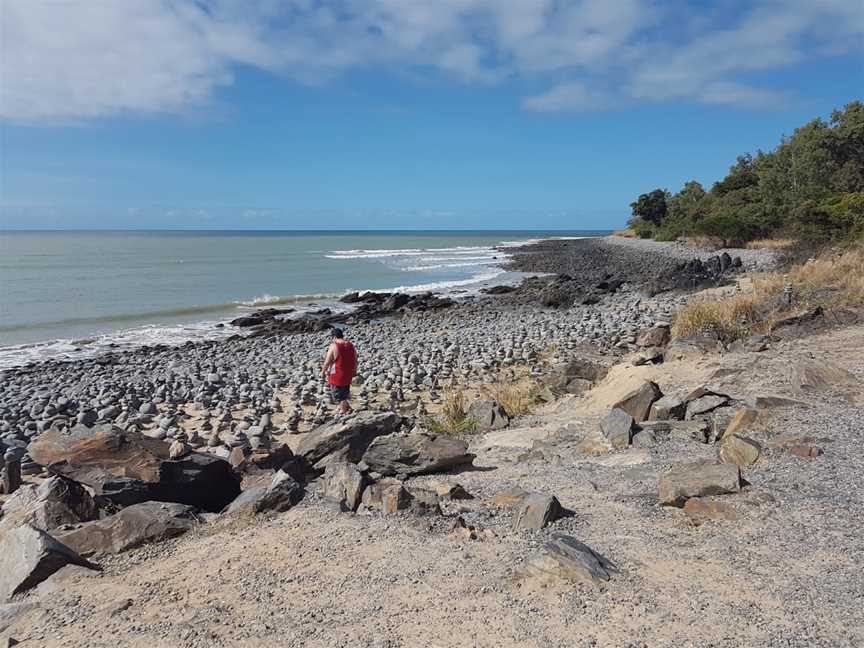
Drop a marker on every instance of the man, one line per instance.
(341, 357)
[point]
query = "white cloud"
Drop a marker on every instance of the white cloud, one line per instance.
(75, 60)
(566, 96)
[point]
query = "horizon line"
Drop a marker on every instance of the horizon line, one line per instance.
(297, 229)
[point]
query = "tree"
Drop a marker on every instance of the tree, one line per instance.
(687, 204)
(651, 207)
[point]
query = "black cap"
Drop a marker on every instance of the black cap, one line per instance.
(336, 333)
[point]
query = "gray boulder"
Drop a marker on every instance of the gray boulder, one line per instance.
(54, 502)
(638, 402)
(132, 527)
(343, 485)
(281, 495)
(563, 558)
(28, 556)
(535, 511)
(387, 495)
(347, 439)
(416, 454)
(617, 427)
(488, 415)
(668, 407)
(698, 479)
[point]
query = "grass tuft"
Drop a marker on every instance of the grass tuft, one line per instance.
(833, 280)
(771, 244)
(517, 398)
(453, 419)
(728, 319)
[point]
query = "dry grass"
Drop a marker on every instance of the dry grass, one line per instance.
(517, 398)
(833, 280)
(625, 233)
(771, 244)
(729, 319)
(453, 419)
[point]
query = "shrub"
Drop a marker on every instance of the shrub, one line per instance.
(517, 399)
(643, 229)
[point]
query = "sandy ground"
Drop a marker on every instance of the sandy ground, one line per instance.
(784, 572)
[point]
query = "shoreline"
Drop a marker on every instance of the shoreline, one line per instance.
(533, 258)
(402, 354)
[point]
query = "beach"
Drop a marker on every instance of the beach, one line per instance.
(315, 576)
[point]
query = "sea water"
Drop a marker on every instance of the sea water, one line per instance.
(74, 293)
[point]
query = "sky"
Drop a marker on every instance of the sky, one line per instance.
(356, 114)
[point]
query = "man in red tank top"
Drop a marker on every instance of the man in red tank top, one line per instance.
(340, 367)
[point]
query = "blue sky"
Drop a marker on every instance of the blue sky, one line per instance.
(398, 113)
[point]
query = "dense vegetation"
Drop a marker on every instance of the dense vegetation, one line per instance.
(811, 187)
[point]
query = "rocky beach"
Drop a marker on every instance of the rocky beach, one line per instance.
(660, 491)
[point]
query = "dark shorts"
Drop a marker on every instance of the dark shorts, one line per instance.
(339, 394)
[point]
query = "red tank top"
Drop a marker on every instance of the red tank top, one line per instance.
(345, 366)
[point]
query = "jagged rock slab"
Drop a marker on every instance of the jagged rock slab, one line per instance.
(565, 559)
(698, 479)
(343, 485)
(668, 407)
(698, 430)
(349, 438)
(54, 502)
(617, 427)
(638, 402)
(128, 468)
(132, 527)
(387, 495)
(535, 511)
(739, 450)
(281, 495)
(28, 556)
(416, 454)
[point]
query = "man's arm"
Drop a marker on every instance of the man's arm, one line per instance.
(329, 359)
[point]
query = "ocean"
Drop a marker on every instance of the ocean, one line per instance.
(67, 294)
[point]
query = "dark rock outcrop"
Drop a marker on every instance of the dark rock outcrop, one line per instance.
(125, 468)
(28, 556)
(54, 502)
(416, 454)
(132, 527)
(346, 440)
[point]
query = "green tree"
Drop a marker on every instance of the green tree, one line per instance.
(651, 206)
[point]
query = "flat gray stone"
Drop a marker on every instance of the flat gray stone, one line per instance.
(565, 559)
(132, 527)
(698, 479)
(416, 454)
